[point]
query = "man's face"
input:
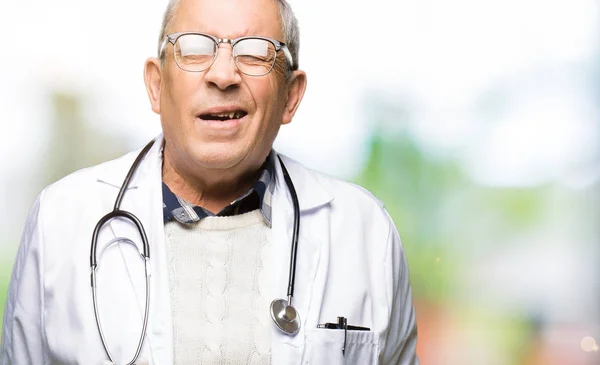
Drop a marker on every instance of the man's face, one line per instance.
(189, 101)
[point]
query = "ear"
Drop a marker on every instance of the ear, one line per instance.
(152, 78)
(295, 91)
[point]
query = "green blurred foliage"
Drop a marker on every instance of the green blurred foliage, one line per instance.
(416, 190)
(442, 215)
(5, 272)
(448, 223)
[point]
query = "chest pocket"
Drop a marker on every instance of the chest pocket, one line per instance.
(324, 347)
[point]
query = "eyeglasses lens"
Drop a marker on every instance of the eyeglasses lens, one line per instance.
(194, 52)
(254, 57)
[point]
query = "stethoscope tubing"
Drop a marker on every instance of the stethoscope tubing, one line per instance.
(130, 173)
(106, 219)
(117, 212)
(296, 231)
(145, 320)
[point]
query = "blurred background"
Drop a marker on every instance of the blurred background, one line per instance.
(476, 122)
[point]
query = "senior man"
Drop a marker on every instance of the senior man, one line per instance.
(223, 225)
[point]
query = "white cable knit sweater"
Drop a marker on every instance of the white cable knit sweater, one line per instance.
(217, 274)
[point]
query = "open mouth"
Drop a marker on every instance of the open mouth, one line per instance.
(238, 114)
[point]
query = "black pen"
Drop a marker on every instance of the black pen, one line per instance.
(342, 324)
(335, 326)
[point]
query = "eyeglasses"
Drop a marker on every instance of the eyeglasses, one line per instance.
(253, 56)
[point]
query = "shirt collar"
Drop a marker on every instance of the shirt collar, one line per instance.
(176, 208)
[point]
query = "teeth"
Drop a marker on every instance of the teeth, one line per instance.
(230, 115)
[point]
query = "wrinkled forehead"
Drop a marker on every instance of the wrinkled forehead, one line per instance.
(228, 18)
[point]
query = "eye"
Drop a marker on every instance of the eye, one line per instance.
(253, 59)
(254, 56)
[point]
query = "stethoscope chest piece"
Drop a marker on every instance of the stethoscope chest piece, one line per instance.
(285, 316)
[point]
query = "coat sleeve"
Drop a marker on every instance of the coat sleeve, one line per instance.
(401, 339)
(23, 328)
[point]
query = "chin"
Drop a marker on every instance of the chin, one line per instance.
(219, 156)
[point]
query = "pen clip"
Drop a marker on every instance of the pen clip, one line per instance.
(343, 323)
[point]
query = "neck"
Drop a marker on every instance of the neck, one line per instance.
(209, 189)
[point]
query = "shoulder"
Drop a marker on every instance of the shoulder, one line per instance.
(86, 184)
(348, 198)
(335, 186)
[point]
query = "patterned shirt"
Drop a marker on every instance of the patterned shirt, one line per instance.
(258, 197)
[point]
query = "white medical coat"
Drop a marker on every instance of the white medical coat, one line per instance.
(350, 263)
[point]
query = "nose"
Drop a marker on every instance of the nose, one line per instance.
(223, 73)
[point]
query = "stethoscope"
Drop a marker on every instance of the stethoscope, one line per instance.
(283, 313)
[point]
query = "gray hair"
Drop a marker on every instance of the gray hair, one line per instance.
(290, 29)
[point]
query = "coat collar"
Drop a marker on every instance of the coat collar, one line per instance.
(311, 194)
(113, 173)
